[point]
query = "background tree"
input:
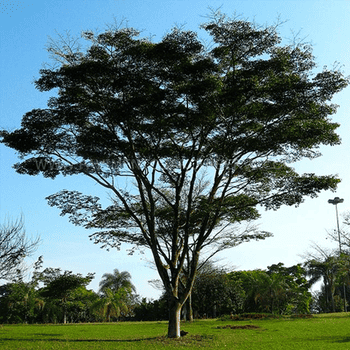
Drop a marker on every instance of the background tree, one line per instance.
(116, 280)
(116, 294)
(14, 247)
(59, 287)
(79, 305)
(295, 297)
(343, 235)
(19, 303)
(49, 296)
(173, 115)
(333, 269)
(152, 310)
(277, 290)
(215, 294)
(112, 303)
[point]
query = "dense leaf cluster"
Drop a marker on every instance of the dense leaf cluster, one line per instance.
(55, 297)
(277, 290)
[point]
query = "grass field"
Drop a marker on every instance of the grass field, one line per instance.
(331, 331)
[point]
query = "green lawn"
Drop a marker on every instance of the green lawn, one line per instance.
(331, 331)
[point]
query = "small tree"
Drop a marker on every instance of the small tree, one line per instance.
(14, 247)
(333, 269)
(116, 294)
(291, 281)
(18, 301)
(112, 303)
(60, 286)
(215, 294)
(172, 116)
(115, 281)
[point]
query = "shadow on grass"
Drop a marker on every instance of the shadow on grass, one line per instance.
(33, 340)
(343, 340)
(184, 340)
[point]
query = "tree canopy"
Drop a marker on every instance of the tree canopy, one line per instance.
(202, 136)
(61, 286)
(116, 280)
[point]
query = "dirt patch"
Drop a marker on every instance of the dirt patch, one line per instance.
(251, 316)
(248, 326)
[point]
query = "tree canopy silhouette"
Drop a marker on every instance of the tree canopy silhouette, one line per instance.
(201, 136)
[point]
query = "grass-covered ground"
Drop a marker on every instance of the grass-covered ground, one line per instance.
(331, 331)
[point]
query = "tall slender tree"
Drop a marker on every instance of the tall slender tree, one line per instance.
(323, 264)
(112, 303)
(116, 280)
(171, 115)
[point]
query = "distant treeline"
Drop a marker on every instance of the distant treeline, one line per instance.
(53, 296)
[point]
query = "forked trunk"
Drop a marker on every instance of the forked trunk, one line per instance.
(174, 318)
(186, 311)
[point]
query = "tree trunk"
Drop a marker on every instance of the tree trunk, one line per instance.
(190, 311)
(64, 311)
(184, 311)
(174, 318)
(214, 311)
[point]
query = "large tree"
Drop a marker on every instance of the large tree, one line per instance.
(209, 133)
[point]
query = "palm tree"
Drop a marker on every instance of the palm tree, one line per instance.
(327, 269)
(111, 303)
(115, 281)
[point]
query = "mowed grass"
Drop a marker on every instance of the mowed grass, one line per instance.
(331, 331)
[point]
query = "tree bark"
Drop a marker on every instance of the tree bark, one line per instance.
(174, 318)
(190, 310)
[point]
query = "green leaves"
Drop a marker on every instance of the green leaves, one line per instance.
(59, 286)
(278, 290)
(206, 134)
(128, 94)
(132, 107)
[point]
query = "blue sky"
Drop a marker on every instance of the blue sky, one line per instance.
(25, 27)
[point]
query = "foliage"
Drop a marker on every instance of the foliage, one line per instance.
(116, 281)
(19, 300)
(333, 269)
(297, 287)
(215, 294)
(207, 134)
(279, 290)
(53, 296)
(152, 310)
(19, 303)
(14, 247)
(116, 295)
(112, 303)
(326, 270)
(59, 288)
